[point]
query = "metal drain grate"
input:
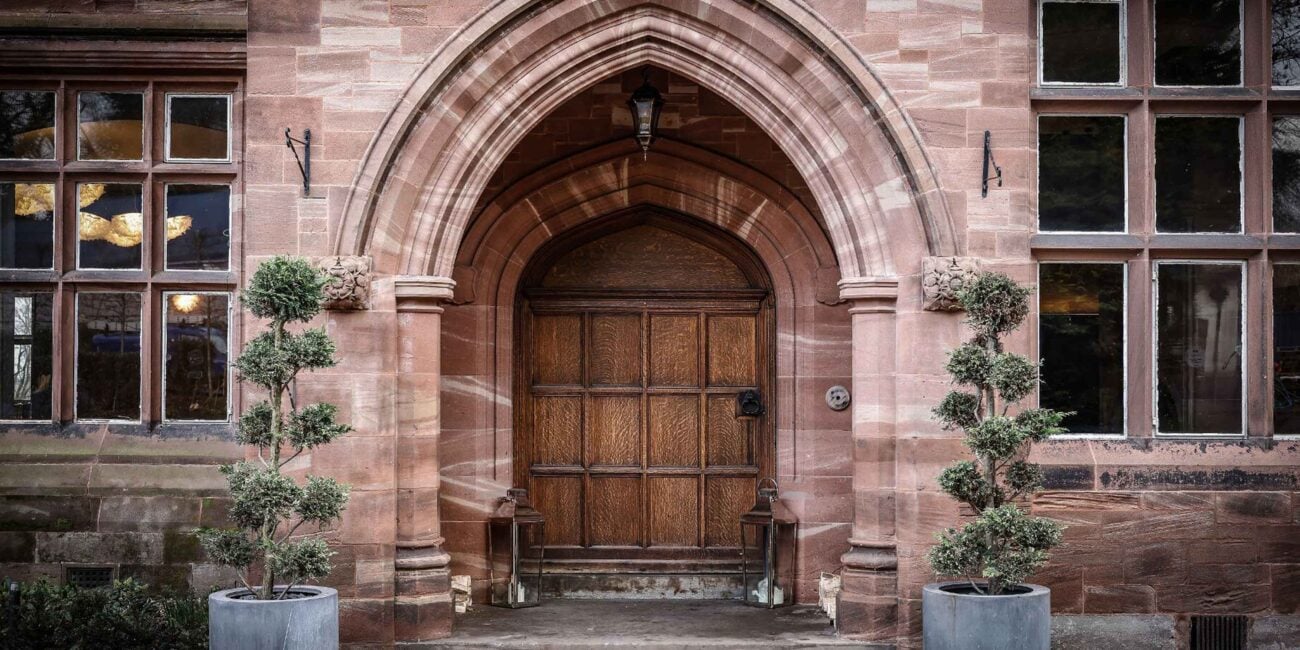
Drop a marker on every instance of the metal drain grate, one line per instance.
(89, 577)
(1219, 632)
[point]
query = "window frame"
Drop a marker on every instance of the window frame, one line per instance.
(1122, 44)
(145, 211)
(1124, 343)
(1038, 139)
(54, 354)
(165, 344)
(144, 126)
(1241, 46)
(1156, 116)
(76, 355)
(1155, 349)
(1271, 347)
(58, 110)
(166, 184)
(1271, 61)
(168, 96)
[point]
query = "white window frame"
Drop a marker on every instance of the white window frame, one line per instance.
(1122, 44)
(166, 353)
(1038, 135)
(144, 126)
(76, 359)
(1272, 190)
(1241, 49)
(144, 225)
(55, 126)
(1155, 348)
(54, 219)
(230, 198)
(1272, 346)
(1123, 433)
(1270, 54)
(53, 341)
(1241, 169)
(167, 127)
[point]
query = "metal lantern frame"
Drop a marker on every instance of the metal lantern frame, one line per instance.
(777, 527)
(646, 104)
(515, 514)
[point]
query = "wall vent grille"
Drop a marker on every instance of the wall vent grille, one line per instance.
(1219, 632)
(89, 577)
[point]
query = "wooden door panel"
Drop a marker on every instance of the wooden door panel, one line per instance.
(674, 511)
(614, 430)
(728, 436)
(615, 507)
(674, 350)
(557, 430)
(674, 430)
(559, 499)
(725, 500)
(615, 351)
(557, 349)
(732, 351)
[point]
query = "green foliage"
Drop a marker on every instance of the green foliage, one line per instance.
(1002, 545)
(268, 506)
(126, 616)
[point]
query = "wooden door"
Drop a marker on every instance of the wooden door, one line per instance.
(628, 438)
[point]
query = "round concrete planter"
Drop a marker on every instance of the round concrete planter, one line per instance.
(246, 624)
(953, 617)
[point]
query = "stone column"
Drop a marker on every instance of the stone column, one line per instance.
(868, 601)
(422, 607)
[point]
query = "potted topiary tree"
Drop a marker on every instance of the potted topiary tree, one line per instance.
(268, 507)
(1003, 545)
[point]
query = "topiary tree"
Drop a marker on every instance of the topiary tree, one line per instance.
(269, 507)
(1003, 545)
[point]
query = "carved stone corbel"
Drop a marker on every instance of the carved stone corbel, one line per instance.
(348, 288)
(943, 277)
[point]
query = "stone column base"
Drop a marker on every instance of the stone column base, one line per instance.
(867, 607)
(422, 605)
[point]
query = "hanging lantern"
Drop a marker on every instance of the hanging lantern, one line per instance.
(646, 104)
(516, 542)
(767, 543)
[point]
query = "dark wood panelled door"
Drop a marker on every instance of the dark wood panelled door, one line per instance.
(630, 443)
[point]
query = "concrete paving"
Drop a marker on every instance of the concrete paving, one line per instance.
(660, 624)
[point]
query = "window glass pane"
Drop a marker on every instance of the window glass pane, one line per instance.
(108, 356)
(1081, 42)
(110, 126)
(110, 225)
(1198, 42)
(197, 128)
(1286, 349)
(27, 225)
(1286, 174)
(1198, 174)
(1286, 42)
(197, 326)
(1081, 340)
(1198, 359)
(1081, 173)
(26, 354)
(198, 227)
(27, 124)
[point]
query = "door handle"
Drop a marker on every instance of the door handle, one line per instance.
(749, 404)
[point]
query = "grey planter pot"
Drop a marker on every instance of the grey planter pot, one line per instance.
(956, 619)
(245, 624)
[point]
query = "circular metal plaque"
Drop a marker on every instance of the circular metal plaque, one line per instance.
(837, 397)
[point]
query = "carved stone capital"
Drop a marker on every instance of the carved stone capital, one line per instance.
(943, 277)
(869, 295)
(421, 556)
(424, 293)
(348, 288)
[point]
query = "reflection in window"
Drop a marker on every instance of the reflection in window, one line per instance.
(197, 127)
(197, 334)
(198, 227)
(1286, 42)
(26, 355)
(110, 126)
(110, 225)
(1198, 355)
(1081, 42)
(1081, 173)
(1286, 349)
(1198, 42)
(1198, 174)
(1081, 341)
(27, 225)
(27, 124)
(1286, 174)
(108, 356)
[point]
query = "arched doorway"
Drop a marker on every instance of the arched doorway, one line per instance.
(636, 336)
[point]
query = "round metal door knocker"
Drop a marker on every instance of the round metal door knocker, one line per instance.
(837, 397)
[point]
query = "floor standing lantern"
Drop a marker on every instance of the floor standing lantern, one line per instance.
(767, 536)
(516, 544)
